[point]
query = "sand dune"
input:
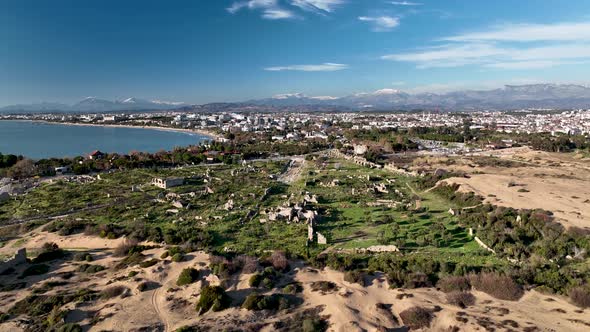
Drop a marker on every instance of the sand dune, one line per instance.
(351, 307)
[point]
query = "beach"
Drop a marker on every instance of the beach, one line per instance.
(202, 132)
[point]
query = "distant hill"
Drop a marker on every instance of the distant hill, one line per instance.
(508, 97)
(92, 104)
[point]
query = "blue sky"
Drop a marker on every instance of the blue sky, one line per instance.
(200, 51)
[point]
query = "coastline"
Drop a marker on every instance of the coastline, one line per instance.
(201, 132)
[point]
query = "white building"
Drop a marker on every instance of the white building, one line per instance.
(167, 183)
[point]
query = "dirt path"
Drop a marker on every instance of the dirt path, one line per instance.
(158, 309)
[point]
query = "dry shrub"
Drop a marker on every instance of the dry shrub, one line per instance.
(461, 299)
(499, 286)
(418, 280)
(453, 284)
(355, 277)
(279, 260)
(113, 291)
(578, 231)
(123, 248)
(221, 266)
(416, 317)
(248, 264)
(580, 296)
(324, 286)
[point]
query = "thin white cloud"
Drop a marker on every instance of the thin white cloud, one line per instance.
(513, 47)
(405, 3)
(317, 5)
(327, 66)
(271, 9)
(519, 65)
(493, 56)
(448, 55)
(381, 23)
(529, 33)
(277, 14)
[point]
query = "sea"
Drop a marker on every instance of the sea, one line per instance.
(37, 140)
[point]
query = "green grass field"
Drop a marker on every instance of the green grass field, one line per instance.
(345, 192)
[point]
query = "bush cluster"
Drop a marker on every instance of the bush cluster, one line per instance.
(454, 284)
(355, 276)
(580, 296)
(113, 291)
(187, 276)
(34, 270)
(499, 286)
(88, 268)
(416, 317)
(49, 252)
(212, 298)
(461, 299)
(265, 302)
(267, 278)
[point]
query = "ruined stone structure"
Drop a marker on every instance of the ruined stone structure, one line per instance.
(20, 257)
(391, 167)
(356, 159)
(167, 183)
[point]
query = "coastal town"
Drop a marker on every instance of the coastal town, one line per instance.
(295, 126)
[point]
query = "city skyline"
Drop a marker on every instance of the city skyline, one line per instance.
(199, 52)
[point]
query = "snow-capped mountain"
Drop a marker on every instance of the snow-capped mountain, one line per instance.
(508, 97)
(93, 104)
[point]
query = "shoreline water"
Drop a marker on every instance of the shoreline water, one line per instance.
(201, 132)
(39, 139)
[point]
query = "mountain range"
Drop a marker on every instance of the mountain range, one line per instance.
(509, 97)
(92, 104)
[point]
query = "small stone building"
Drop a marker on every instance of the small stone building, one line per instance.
(167, 183)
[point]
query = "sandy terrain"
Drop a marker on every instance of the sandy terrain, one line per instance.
(352, 307)
(559, 183)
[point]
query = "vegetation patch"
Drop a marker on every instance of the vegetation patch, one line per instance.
(461, 299)
(34, 270)
(499, 286)
(580, 296)
(89, 268)
(267, 278)
(355, 277)
(148, 263)
(40, 307)
(49, 252)
(187, 276)
(309, 320)
(212, 298)
(131, 260)
(454, 284)
(416, 317)
(82, 256)
(324, 286)
(293, 288)
(114, 291)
